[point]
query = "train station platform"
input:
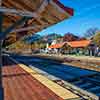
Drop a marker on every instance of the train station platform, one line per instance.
(22, 83)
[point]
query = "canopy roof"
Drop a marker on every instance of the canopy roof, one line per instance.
(40, 13)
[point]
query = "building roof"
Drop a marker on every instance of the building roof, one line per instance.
(81, 43)
(73, 44)
(59, 45)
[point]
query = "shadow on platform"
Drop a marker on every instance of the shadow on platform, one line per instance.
(7, 62)
(1, 93)
(1, 87)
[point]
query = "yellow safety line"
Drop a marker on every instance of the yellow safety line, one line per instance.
(57, 89)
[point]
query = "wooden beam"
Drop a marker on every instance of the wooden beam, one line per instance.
(26, 13)
(9, 29)
(23, 29)
(18, 12)
(19, 4)
(43, 6)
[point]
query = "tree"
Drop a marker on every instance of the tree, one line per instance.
(91, 32)
(31, 39)
(70, 37)
(82, 38)
(50, 37)
(96, 39)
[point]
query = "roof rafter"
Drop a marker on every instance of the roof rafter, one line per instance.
(18, 12)
(9, 29)
(23, 29)
(25, 13)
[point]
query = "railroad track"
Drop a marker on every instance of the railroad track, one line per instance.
(84, 82)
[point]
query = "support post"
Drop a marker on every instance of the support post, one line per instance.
(1, 88)
(0, 62)
(1, 41)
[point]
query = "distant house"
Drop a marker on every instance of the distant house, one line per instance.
(74, 47)
(54, 47)
(80, 47)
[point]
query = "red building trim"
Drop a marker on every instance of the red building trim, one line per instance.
(67, 9)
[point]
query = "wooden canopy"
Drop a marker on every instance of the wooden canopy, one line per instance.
(41, 14)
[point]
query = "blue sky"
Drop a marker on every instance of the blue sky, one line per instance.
(86, 15)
